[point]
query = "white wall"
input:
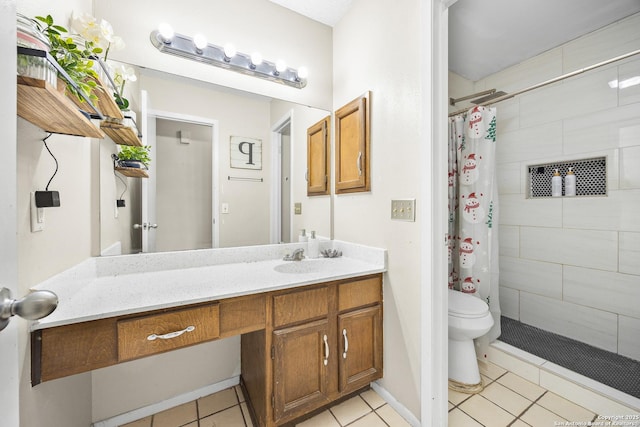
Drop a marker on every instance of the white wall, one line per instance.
(376, 48)
(570, 265)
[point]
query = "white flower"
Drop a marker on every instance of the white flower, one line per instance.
(84, 24)
(124, 74)
(117, 43)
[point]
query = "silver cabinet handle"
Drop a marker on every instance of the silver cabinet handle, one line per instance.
(359, 163)
(326, 351)
(35, 305)
(170, 335)
(346, 343)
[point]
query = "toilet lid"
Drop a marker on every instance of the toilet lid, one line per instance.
(465, 305)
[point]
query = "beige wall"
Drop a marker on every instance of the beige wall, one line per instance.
(375, 48)
(252, 25)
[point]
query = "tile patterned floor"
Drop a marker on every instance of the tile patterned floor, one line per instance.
(510, 400)
(227, 408)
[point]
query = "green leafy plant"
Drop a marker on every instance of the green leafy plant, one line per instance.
(72, 57)
(128, 152)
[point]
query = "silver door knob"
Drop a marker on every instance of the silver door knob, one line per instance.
(36, 305)
(138, 226)
(153, 225)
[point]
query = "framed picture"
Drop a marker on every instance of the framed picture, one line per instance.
(246, 153)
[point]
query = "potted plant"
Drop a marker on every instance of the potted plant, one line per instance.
(73, 58)
(134, 157)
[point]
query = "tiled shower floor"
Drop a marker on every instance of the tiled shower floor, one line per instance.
(227, 408)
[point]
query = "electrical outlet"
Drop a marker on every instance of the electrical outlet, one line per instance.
(403, 210)
(37, 215)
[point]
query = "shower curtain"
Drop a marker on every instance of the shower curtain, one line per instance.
(473, 209)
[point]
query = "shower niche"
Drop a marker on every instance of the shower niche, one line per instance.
(591, 177)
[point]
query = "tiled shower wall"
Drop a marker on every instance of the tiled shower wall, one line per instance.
(572, 265)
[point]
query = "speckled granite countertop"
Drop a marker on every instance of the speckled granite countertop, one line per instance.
(111, 286)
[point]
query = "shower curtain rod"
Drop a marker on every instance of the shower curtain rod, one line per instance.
(554, 80)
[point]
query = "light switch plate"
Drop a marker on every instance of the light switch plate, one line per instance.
(224, 208)
(297, 208)
(403, 209)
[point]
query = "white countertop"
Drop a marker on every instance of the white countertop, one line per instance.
(111, 286)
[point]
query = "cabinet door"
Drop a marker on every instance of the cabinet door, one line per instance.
(300, 379)
(318, 158)
(360, 349)
(352, 146)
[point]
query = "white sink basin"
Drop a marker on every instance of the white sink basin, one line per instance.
(303, 267)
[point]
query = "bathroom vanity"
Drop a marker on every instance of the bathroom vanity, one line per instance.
(311, 330)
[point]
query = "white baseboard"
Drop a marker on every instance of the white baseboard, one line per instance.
(146, 411)
(399, 408)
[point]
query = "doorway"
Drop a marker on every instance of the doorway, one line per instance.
(281, 207)
(179, 198)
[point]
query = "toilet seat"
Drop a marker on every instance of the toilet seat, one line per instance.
(466, 306)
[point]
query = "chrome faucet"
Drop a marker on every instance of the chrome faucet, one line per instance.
(297, 255)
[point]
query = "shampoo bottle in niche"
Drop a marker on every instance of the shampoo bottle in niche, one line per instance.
(570, 183)
(556, 184)
(302, 238)
(314, 249)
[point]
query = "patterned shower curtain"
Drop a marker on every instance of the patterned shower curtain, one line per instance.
(473, 209)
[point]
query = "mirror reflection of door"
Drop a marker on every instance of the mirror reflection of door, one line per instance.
(183, 170)
(285, 183)
(176, 211)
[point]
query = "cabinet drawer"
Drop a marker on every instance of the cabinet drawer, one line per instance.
(298, 306)
(157, 333)
(359, 293)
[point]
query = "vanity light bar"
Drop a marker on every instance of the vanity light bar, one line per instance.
(184, 46)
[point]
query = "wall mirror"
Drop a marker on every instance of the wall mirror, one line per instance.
(199, 195)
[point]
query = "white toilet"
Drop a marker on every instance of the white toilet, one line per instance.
(469, 318)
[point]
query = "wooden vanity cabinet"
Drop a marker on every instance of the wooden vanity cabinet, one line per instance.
(353, 146)
(318, 158)
(311, 363)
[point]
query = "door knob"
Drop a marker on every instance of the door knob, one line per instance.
(138, 226)
(153, 225)
(36, 305)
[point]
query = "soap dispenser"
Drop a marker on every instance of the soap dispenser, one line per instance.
(314, 246)
(556, 184)
(570, 183)
(302, 238)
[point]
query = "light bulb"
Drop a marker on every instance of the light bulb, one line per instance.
(280, 65)
(256, 59)
(200, 41)
(166, 32)
(303, 73)
(229, 51)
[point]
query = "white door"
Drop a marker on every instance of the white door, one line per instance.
(161, 229)
(148, 224)
(9, 360)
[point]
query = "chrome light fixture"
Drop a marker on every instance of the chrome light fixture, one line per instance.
(197, 49)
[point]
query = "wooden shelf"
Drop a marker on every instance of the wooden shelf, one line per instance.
(105, 103)
(45, 107)
(121, 134)
(133, 172)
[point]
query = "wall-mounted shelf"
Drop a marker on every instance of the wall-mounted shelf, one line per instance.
(52, 111)
(133, 172)
(120, 133)
(591, 177)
